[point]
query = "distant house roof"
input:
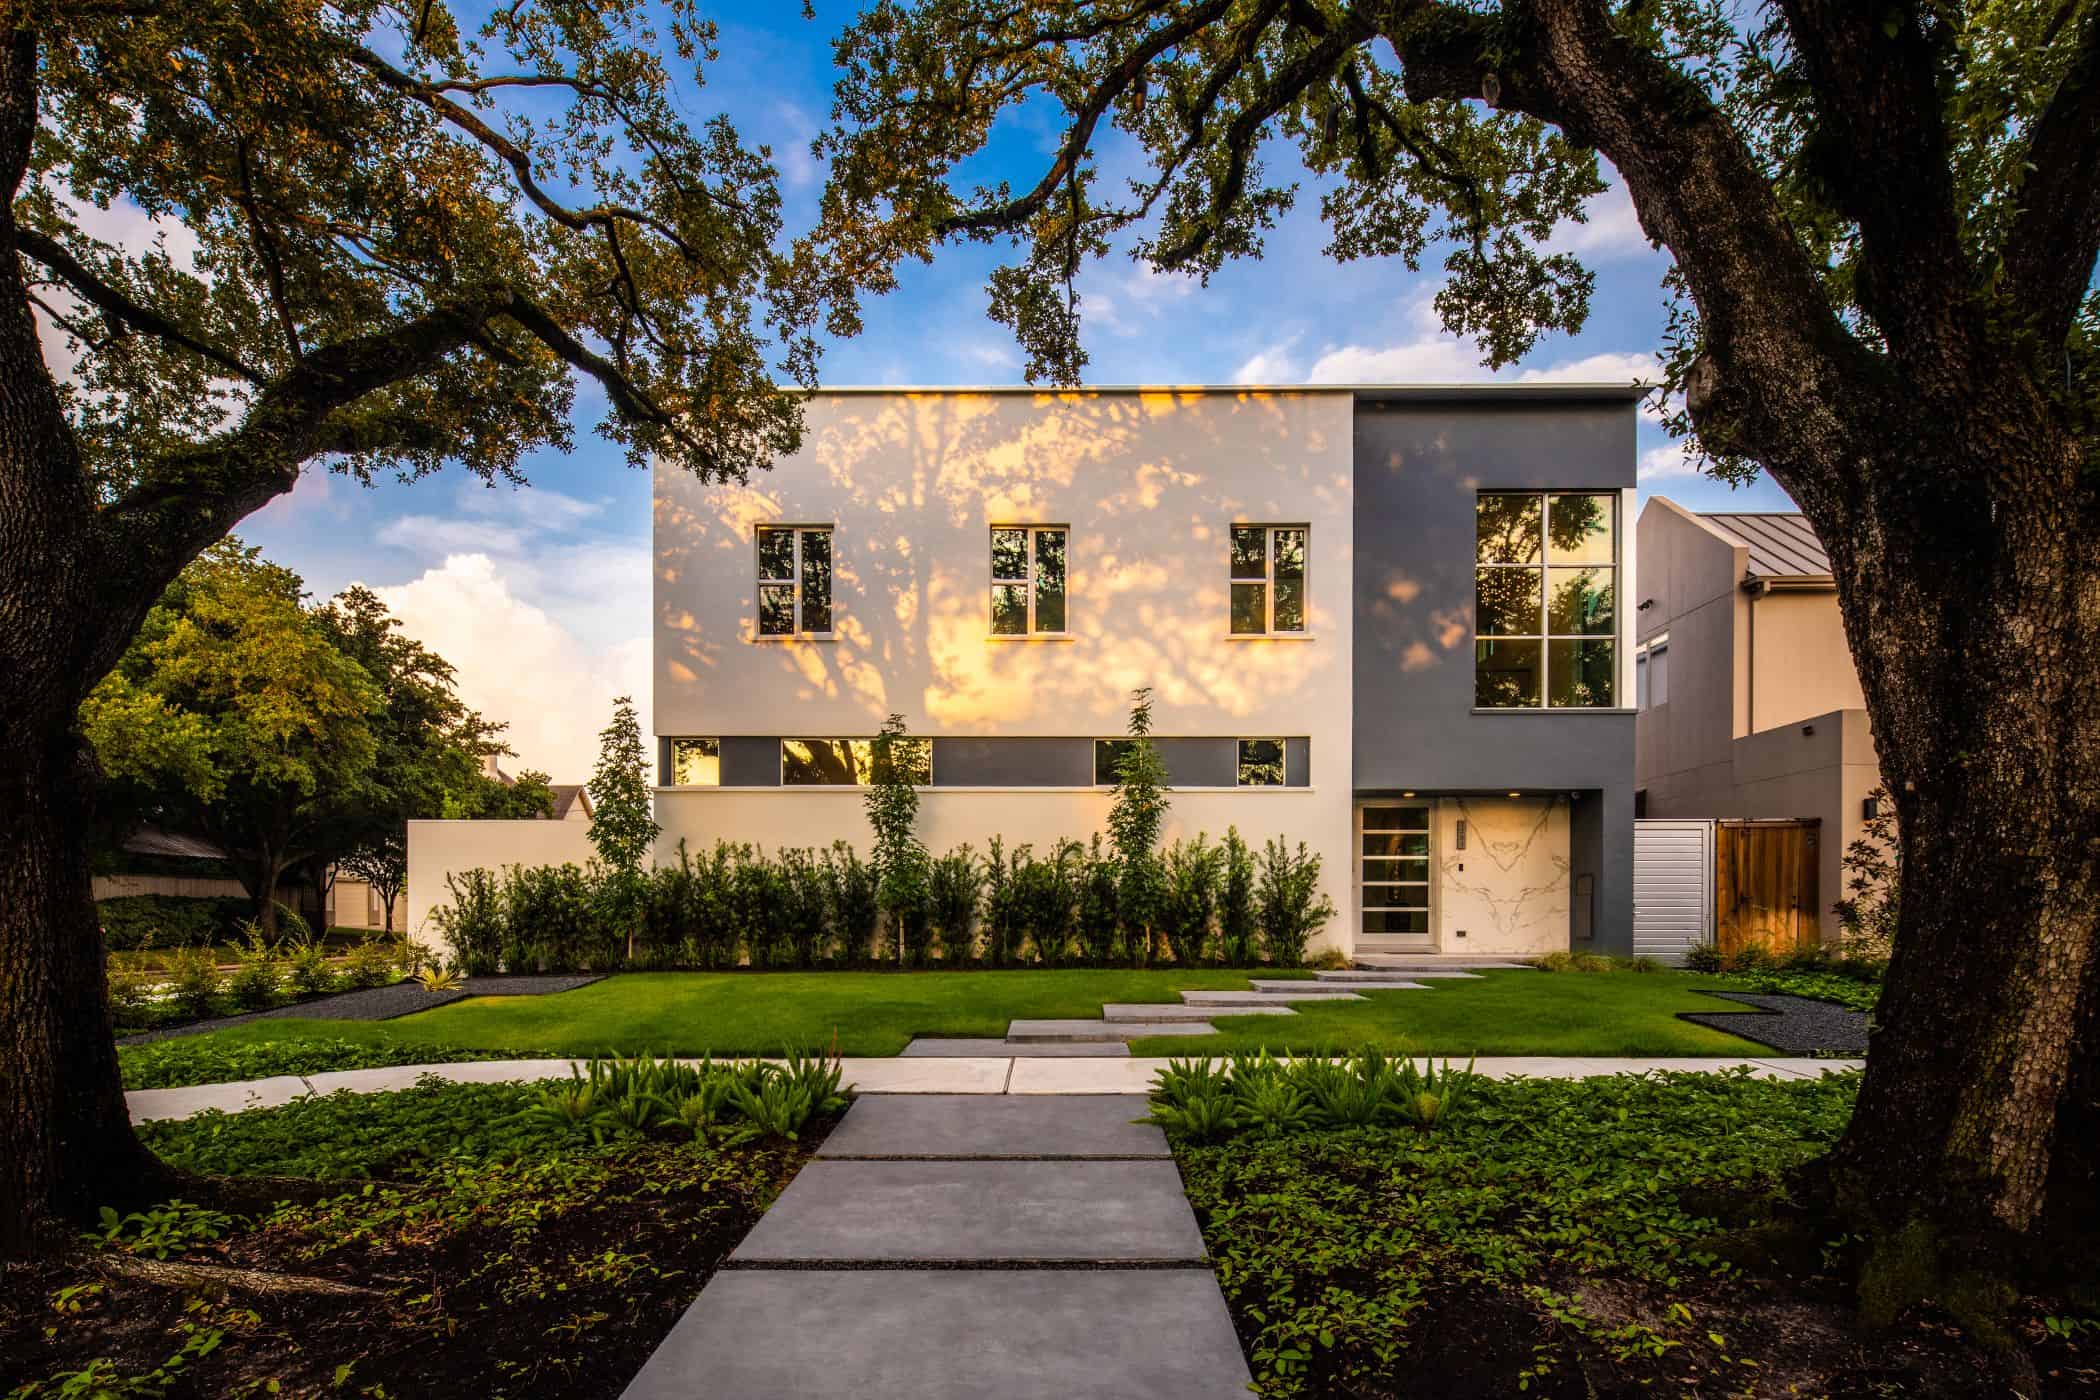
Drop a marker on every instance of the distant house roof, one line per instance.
(1781, 543)
(152, 841)
(566, 796)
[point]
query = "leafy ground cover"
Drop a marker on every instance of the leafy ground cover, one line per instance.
(1623, 1236)
(1503, 1013)
(497, 1240)
(1856, 993)
(211, 1059)
(746, 1013)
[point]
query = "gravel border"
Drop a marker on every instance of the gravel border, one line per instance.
(1795, 1025)
(378, 1003)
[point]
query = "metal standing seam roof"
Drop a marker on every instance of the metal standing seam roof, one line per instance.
(1782, 544)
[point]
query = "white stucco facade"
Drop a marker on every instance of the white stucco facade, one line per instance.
(911, 484)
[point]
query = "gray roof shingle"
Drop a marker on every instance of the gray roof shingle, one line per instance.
(1781, 543)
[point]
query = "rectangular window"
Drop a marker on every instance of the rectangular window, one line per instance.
(1267, 579)
(794, 580)
(1107, 754)
(849, 762)
(696, 763)
(1028, 580)
(1545, 600)
(1261, 763)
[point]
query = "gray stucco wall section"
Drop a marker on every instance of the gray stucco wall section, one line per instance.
(1013, 762)
(749, 761)
(1419, 469)
(1200, 762)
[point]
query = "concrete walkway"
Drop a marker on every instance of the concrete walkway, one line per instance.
(985, 1075)
(956, 1246)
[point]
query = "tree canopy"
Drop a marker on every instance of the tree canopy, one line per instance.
(1838, 184)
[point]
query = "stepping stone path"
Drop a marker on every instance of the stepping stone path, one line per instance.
(1122, 1022)
(947, 1247)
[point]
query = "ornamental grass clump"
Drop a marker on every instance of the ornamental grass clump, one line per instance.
(1211, 1100)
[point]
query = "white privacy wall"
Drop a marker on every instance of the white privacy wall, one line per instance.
(437, 849)
(1148, 484)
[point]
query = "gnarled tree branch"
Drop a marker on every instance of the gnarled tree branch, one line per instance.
(2055, 241)
(121, 308)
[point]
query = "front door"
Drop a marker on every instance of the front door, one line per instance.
(1393, 853)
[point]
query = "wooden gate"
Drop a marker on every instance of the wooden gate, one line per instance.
(1765, 885)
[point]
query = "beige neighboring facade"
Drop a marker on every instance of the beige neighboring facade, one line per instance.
(1749, 703)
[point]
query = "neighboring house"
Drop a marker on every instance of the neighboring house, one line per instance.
(169, 863)
(572, 802)
(1749, 703)
(1385, 621)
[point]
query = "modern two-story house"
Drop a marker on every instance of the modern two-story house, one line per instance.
(1386, 621)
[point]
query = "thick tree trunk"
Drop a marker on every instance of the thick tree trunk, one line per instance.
(1973, 602)
(66, 1144)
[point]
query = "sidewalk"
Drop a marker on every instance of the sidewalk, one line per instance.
(987, 1075)
(957, 1246)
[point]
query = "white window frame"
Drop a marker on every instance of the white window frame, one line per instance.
(1032, 531)
(1239, 763)
(764, 581)
(1267, 578)
(1545, 636)
(694, 739)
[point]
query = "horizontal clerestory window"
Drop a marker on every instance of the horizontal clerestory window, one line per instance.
(696, 763)
(850, 762)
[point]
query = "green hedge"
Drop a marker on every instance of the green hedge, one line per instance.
(135, 921)
(737, 906)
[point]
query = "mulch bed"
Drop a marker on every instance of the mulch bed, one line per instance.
(378, 1003)
(1791, 1025)
(467, 1302)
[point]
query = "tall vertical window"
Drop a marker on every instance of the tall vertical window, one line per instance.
(1028, 580)
(1546, 587)
(794, 580)
(1651, 672)
(696, 762)
(1268, 579)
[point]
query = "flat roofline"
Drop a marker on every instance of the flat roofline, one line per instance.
(1616, 391)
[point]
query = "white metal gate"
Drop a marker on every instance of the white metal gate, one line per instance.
(1673, 886)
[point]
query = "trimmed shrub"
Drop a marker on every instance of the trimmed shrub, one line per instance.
(849, 884)
(1193, 869)
(1045, 895)
(1095, 920)
(805, 906)
(954, 883)
(134, 921)
(193, 982)
(1239, 933)
(1288, 903)
(475, 925)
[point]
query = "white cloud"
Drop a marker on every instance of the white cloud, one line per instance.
(519, 664)
(1667, 462)
(1609, 367)
(1274, 365)
(1611, 229)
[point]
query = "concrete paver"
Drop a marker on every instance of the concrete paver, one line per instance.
(1103, 1030)
(959, 1047)
(978, 1212)
(1264, 997)
(1150, 1334)
(945, 1125)
(1182, 1011)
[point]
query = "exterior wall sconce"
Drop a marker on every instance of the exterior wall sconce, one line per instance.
(1870, 808)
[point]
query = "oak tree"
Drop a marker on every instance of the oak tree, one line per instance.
(1882, 223)
(388, 243)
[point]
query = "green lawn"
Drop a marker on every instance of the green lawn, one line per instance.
(875, 1013)
(1504, 1013)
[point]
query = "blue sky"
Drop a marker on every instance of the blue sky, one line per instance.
(541, 596)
